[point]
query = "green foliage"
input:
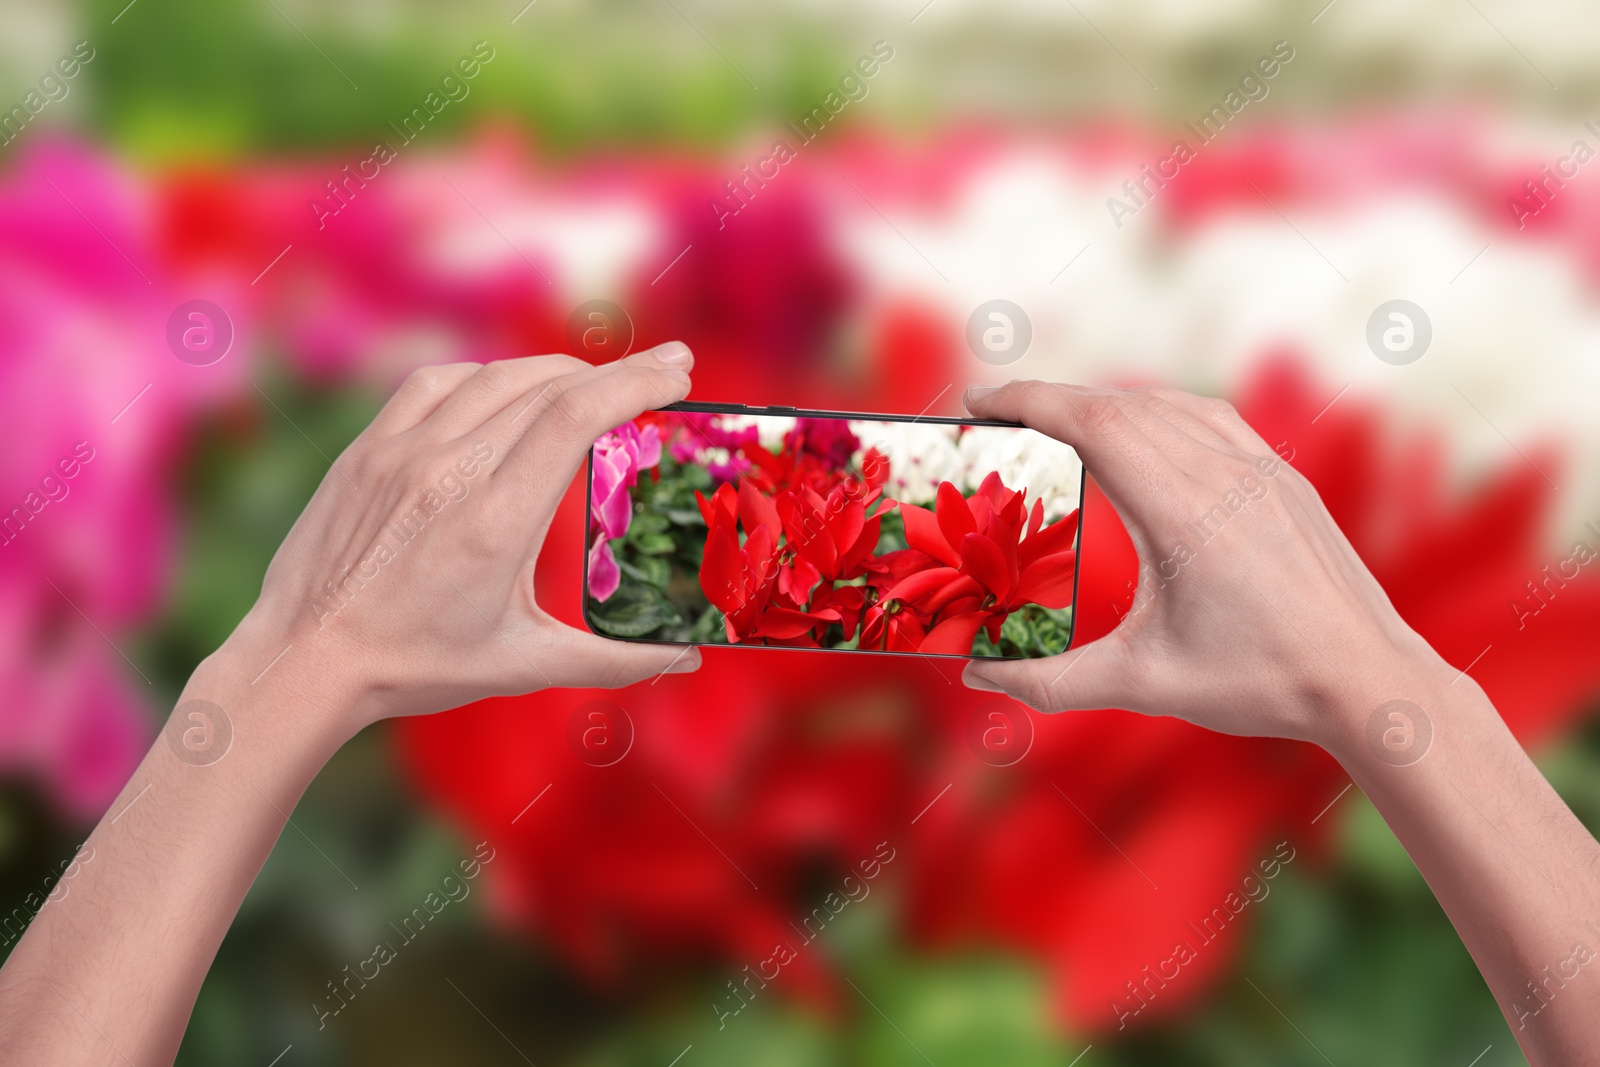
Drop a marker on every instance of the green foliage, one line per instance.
(901, 1009)
(1031, 631)
(956, 1011)
(186, 79)
(660, 597)
(250, 472)
(636, 609)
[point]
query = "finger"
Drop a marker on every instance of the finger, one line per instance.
(507, 427)
(583, 659)
(1219, 416)
(1167, 403)
(571, 414)
(1179, 437)
(420, 396)
(1122, 459)
(495, 386)
(1098, 675)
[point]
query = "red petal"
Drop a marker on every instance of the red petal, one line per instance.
(722, 570)
(759, 548)
(923, 534)
(964, 604)
(810, 533)
(1048, 581)
(874, 467)
(786, 622)
(866, 541)
(984, 560)
(905, 632)
(1013, 510)
(955, 515)
(963, 590)
(953, 636)
(1057, 537)
(797, 581)
(848, 601)
(721, 502)
(757, 509)
(915, 586)
(846, 518)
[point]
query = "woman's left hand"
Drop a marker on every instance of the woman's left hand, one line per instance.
(407, 583)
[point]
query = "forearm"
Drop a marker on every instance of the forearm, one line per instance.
(108, 972)
(1512, 866)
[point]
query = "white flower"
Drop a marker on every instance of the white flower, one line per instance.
(921, 455)
(1026, 460)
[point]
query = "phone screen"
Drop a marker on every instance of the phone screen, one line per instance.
(714, 524)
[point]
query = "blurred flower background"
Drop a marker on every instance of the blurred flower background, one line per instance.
(822, 200)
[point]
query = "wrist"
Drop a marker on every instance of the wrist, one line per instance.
(1356, 695)
(287, 692)
(1387, 710)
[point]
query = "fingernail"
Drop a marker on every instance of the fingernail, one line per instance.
(672, 352)
(689, 661)
(977, 392)
(972, 680)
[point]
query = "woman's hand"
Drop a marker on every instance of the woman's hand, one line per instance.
(1253, 615)
(408, 580)
(1252, 612)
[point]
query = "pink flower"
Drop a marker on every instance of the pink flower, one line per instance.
(619, 456)
(604, 574)
(705, 433)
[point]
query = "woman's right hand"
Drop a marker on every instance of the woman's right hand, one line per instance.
(1253, 615)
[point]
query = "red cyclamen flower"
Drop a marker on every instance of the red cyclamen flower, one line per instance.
(989, 563)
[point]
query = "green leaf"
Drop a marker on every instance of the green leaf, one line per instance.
(652, 544)
(634, 610)
(649, 522)
(684, 516)
(696, 477)
(1016, 630)
(652, 570)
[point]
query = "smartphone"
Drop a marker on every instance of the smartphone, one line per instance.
(778, 527)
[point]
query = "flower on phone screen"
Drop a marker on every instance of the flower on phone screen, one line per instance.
(619, 456)
(815, 538)
(979, 559)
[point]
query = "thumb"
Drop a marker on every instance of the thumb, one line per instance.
(584, 660)
(1094, 676)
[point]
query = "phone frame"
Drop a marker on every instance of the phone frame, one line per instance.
(786, 411)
